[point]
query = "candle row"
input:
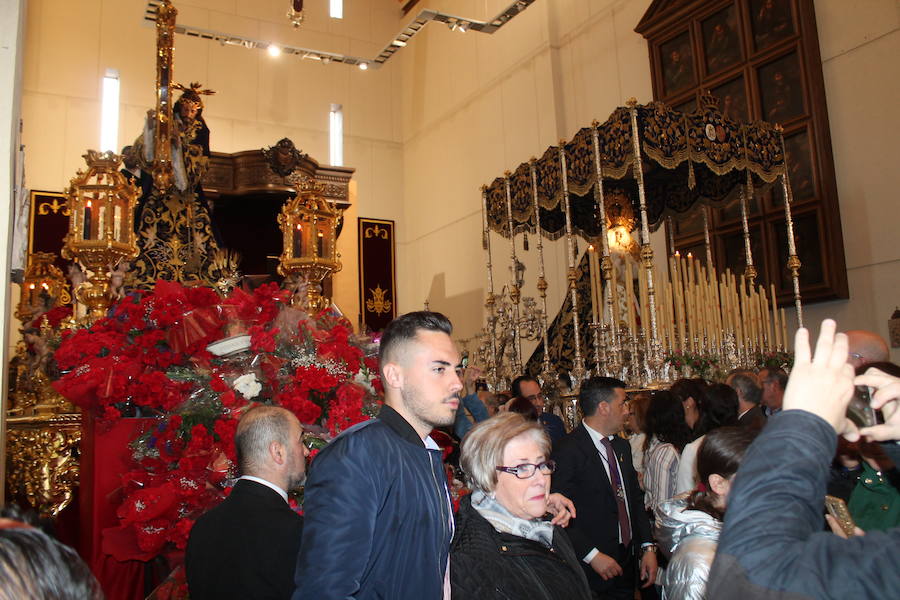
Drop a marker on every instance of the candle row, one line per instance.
(697, 310)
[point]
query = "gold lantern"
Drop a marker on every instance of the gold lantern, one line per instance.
(101, 227)
(43, 287)
(309, 225)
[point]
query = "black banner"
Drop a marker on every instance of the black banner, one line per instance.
(49, 224)
(377, 280)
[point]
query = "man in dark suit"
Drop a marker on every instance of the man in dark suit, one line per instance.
(611, 534)
(247, 546)
(749, 392)
(528, 387)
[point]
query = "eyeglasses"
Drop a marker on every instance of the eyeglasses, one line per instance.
(526, 470)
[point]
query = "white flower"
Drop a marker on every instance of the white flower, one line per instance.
(364, 380)
(247, 385)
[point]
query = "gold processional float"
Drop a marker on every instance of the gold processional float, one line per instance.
(691, 312)
(44, 430)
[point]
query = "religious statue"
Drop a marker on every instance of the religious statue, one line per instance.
(175, 232)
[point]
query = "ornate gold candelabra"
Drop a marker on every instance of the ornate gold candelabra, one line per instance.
(309, 225)
(101, 216)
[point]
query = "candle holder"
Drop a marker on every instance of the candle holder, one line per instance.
(309, 225)
(101, 216)
(43, 287)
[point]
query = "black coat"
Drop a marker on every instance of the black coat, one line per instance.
(486, 564)
(754, 418)
(246, 547)
(581, 477)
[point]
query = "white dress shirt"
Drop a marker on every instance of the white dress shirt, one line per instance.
(268, 484)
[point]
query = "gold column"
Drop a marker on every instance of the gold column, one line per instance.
(165, 43)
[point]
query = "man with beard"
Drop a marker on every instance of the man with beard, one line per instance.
(246, 547)
(378, 514)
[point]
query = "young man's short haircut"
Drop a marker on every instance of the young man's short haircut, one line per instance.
(404, 328)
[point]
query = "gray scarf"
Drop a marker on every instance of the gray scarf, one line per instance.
(505, 522)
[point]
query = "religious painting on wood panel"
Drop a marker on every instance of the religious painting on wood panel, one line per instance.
(731, 210)
(734, 252)
(761, 59)
(771, 21)
(733, 99)
(677, 63)
(799, 160)
(809, 250)
(781, 89)
(721, 41)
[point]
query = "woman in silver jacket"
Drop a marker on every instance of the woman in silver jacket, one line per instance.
(688, 525)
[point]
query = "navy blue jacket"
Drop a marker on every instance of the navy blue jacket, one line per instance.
(378, 521)
(772, 544)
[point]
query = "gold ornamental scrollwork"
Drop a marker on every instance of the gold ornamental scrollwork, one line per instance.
(378, 303)
(43, 461)
(45, 208)
(376, 231)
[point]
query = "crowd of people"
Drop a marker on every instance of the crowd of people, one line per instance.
(702, 490)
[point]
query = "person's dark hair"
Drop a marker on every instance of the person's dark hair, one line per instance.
(665, 421)
(721, 406)
(720, 454)
(404, 329)
(776, 374)
(596, 390)
(516, 386)
(523, 407)
(35, 566)
(696, 389)
(747, 387)
(888, 367)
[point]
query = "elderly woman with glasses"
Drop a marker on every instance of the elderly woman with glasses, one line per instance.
(505, 544)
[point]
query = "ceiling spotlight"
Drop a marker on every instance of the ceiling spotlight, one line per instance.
(326, 60)
(452, 25)
(398, 43)
(273, 50)
(464, 26)
(363, 66)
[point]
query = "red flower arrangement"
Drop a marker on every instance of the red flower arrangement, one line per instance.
(150, 357)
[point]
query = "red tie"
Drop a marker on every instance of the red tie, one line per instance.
(616, 480)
